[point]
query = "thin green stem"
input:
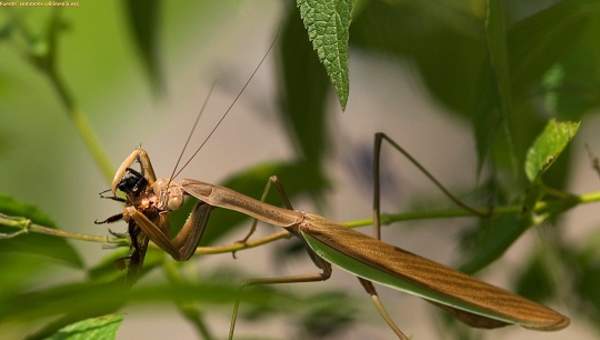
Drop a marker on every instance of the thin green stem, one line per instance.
(589, 197)
(26, 226)
(82, 125)
(46, 63)
(39, 229)
(386, 219)
(555, 192)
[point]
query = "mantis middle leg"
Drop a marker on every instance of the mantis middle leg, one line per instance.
(273, 180)
(322, 276)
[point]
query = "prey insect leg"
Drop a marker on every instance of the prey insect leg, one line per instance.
(113, 197)
(111, 219)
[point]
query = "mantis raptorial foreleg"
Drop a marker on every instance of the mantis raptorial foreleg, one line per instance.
(183, 245)
(142, 157)
(273, 180)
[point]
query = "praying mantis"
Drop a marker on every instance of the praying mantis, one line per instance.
(150, 200)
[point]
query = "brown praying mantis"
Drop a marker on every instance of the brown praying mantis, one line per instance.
(150, 200)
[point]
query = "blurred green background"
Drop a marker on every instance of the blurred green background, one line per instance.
(427, 73)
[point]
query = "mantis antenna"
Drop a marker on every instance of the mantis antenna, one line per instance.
(233, 102)
(187, 141)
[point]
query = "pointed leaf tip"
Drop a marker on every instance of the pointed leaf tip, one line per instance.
(327, 23)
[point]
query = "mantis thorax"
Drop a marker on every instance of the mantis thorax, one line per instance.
(169, 193)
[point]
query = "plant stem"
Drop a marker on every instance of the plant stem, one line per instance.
(46, 64)
(39, 229)
(82, 125)
(26, 226)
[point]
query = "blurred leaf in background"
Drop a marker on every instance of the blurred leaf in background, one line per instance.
(27, 257)
(34, 244)
(535, 279)
(143, 17)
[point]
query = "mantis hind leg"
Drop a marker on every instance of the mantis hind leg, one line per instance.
(367, 285)
(379, 138)
(273, 180)
(322, 276)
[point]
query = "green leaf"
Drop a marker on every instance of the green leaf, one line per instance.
(327, 23)
(143, 17)
(6, 30)
(496, 37)
(538, 41)
(572, 83)
(35, 244)
(99, 328)
(19, 271)
(535, 280)
(548, 146)
(382, 277)
(89, 298)
(493, 236)
(551, 83)
(452, 328)
(331, 312)
(297, 179)
(491, 239)
(303, 94)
